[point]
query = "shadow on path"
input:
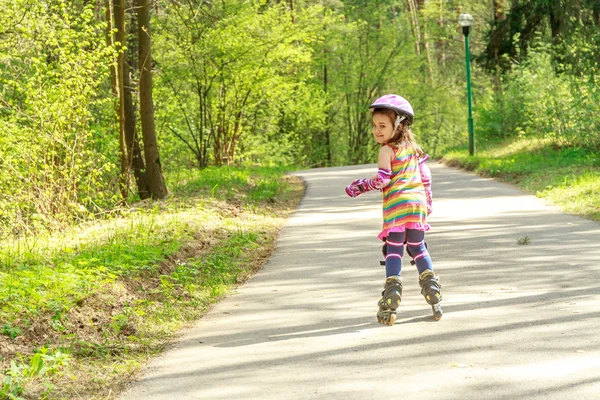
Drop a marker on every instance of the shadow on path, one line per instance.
(305, 327)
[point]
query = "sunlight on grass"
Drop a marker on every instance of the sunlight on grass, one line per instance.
(578, 195)
(567, 177)
(110, 293)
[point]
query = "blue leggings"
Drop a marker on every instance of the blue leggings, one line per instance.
(415, 242)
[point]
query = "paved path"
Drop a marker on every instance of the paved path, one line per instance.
(521, 321)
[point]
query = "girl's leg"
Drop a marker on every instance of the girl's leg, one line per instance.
(394, 254)
(392, 289)
(415, 241)
(429, 282)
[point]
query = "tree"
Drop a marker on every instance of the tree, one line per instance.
(230, 74)
(154, 175)
(53, 62)
(131, 155)
(511, 33)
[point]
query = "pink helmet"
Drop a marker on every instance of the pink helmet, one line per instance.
(396, 103)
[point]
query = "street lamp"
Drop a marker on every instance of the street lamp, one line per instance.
(466, 20)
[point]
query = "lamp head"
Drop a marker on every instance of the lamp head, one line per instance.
(465, 20)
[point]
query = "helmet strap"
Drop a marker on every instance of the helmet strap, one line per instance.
(399, 119)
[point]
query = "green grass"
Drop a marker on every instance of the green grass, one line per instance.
(567, 177)
(101, 298)
(232, 184)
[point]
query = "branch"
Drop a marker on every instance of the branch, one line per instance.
(187, 121)
(16, 24)
(385, 66)
(184, 141)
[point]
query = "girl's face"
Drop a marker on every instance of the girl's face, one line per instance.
(383, 128)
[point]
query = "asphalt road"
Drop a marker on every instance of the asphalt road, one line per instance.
(521, 321)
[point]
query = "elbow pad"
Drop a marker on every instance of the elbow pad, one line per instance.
(426, 179)
(383, 178)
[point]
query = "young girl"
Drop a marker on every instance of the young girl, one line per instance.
(406, 184)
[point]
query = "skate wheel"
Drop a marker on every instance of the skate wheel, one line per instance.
(387, 319)
(437, 311)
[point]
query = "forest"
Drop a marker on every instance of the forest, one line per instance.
(144, 146)
(100, 99)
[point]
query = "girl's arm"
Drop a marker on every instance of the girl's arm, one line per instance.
(380, 180)
(426, 179)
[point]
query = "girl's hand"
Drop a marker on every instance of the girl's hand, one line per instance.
(357, 187)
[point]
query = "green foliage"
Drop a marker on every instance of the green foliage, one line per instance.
(226, 73)
(536, 102)
(33, 283)
(249, 185)
(379, 50)
(37, 277)
(41, 364)
(11, 331)
(237, 83)
(49, 84)
(144, 275)
(11, 388)
(254, 84)
(573, 28)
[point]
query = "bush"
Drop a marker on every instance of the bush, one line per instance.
(54, 171)
(535, 101)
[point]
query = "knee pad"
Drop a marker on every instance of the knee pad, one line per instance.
(416, 251)
(391, 247)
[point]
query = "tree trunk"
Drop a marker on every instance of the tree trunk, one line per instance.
(327, 110)
(414, 19)
(110, 42)
(154, 174)
(424, 42)
(220, 131)
(441, 43)
(556, 23)
(428, 57)
(132, 152)
(499, 30)
(132, 139)
(118, 9)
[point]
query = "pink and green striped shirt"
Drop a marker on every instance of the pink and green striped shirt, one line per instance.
(404, 198)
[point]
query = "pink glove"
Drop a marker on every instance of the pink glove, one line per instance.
(358, 187)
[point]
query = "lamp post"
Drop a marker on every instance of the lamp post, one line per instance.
(466, 20)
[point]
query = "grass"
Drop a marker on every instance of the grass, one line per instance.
(566, 177)
(80, 311)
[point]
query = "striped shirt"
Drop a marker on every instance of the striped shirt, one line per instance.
(404, 199)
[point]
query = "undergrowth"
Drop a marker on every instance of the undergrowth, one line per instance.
(80, 311)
